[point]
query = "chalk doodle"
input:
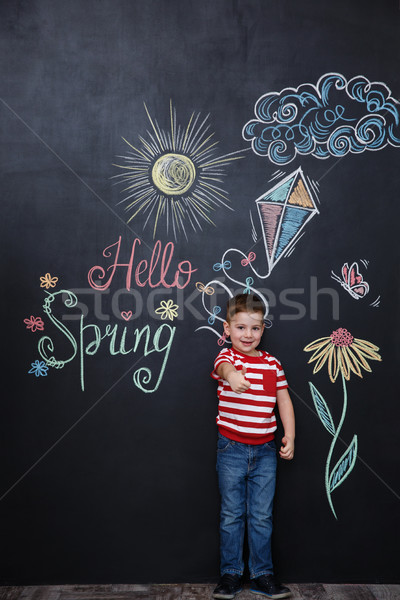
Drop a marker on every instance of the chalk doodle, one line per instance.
(167, 310)
(71, 339)
(344, 354)
(90, 338)
(47, 281)
(216, 311)
(222, 339)
(39, 368)
(332, 118)
(246, 261)
(34, 323)
(284, 211)
(126, 315)
(352, 281)
(376, 302)
(202, 288)
(249, 283)
(173, 176)
(152, 273)
(225, 265)
(253, 229)
(276, 175)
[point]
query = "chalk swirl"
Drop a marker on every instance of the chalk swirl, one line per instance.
(332, 118)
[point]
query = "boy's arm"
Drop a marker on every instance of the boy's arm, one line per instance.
(286, 414)
(236, 379)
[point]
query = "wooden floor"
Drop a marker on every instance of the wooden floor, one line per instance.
(303, 591)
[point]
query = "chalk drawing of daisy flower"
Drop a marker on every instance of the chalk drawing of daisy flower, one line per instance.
(343, 353)
(39, 368)
(167, 310)
(34, 323)
(47, 281)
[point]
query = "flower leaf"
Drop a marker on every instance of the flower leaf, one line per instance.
(322, 409)
(344, 466)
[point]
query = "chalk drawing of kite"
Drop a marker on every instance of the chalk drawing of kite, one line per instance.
(332, 118)
(174, 176)
(284, 212)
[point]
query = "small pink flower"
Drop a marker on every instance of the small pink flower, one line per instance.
(34, 323)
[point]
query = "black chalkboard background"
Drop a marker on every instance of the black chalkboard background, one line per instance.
(112, 484)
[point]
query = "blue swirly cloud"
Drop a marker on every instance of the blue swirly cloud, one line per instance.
(331, 118)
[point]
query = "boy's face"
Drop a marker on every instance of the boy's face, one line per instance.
(245, 330)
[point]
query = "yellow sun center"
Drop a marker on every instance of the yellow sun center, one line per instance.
(173, 174)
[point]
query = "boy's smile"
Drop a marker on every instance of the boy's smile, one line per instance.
(245, 330)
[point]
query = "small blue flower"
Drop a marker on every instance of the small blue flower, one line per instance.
(39, 368)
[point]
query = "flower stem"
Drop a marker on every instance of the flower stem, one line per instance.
(335, 437)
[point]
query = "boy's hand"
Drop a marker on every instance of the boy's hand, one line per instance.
(237, 381)
(287, 449)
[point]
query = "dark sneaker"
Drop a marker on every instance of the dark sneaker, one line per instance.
(228, 586)
(269, 587)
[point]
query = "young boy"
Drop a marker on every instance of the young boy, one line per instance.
(250, 383)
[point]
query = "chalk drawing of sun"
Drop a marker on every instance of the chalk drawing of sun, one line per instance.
(173, 176)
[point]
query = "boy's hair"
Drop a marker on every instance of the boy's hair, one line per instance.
(244, 303)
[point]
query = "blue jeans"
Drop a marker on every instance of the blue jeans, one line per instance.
(246, 475)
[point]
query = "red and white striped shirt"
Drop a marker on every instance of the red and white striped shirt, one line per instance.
(249, 417)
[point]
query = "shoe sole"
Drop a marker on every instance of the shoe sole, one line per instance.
(273, 596)
(227, 596)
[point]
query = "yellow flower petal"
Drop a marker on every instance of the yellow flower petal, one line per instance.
(319, 352)
(344, 366)
(333, 364)
(351, 361)
(366, 351)
(322, 357)
(361, 359)
(367, 344)
(347, 355)
(316, 344)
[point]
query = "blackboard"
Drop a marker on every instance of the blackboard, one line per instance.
(203, 149)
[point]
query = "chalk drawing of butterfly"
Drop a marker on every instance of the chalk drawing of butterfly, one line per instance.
(352, 281)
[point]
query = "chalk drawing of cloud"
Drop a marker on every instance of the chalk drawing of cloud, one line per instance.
(331, 118)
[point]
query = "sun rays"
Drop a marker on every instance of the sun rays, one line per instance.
(174, 177)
